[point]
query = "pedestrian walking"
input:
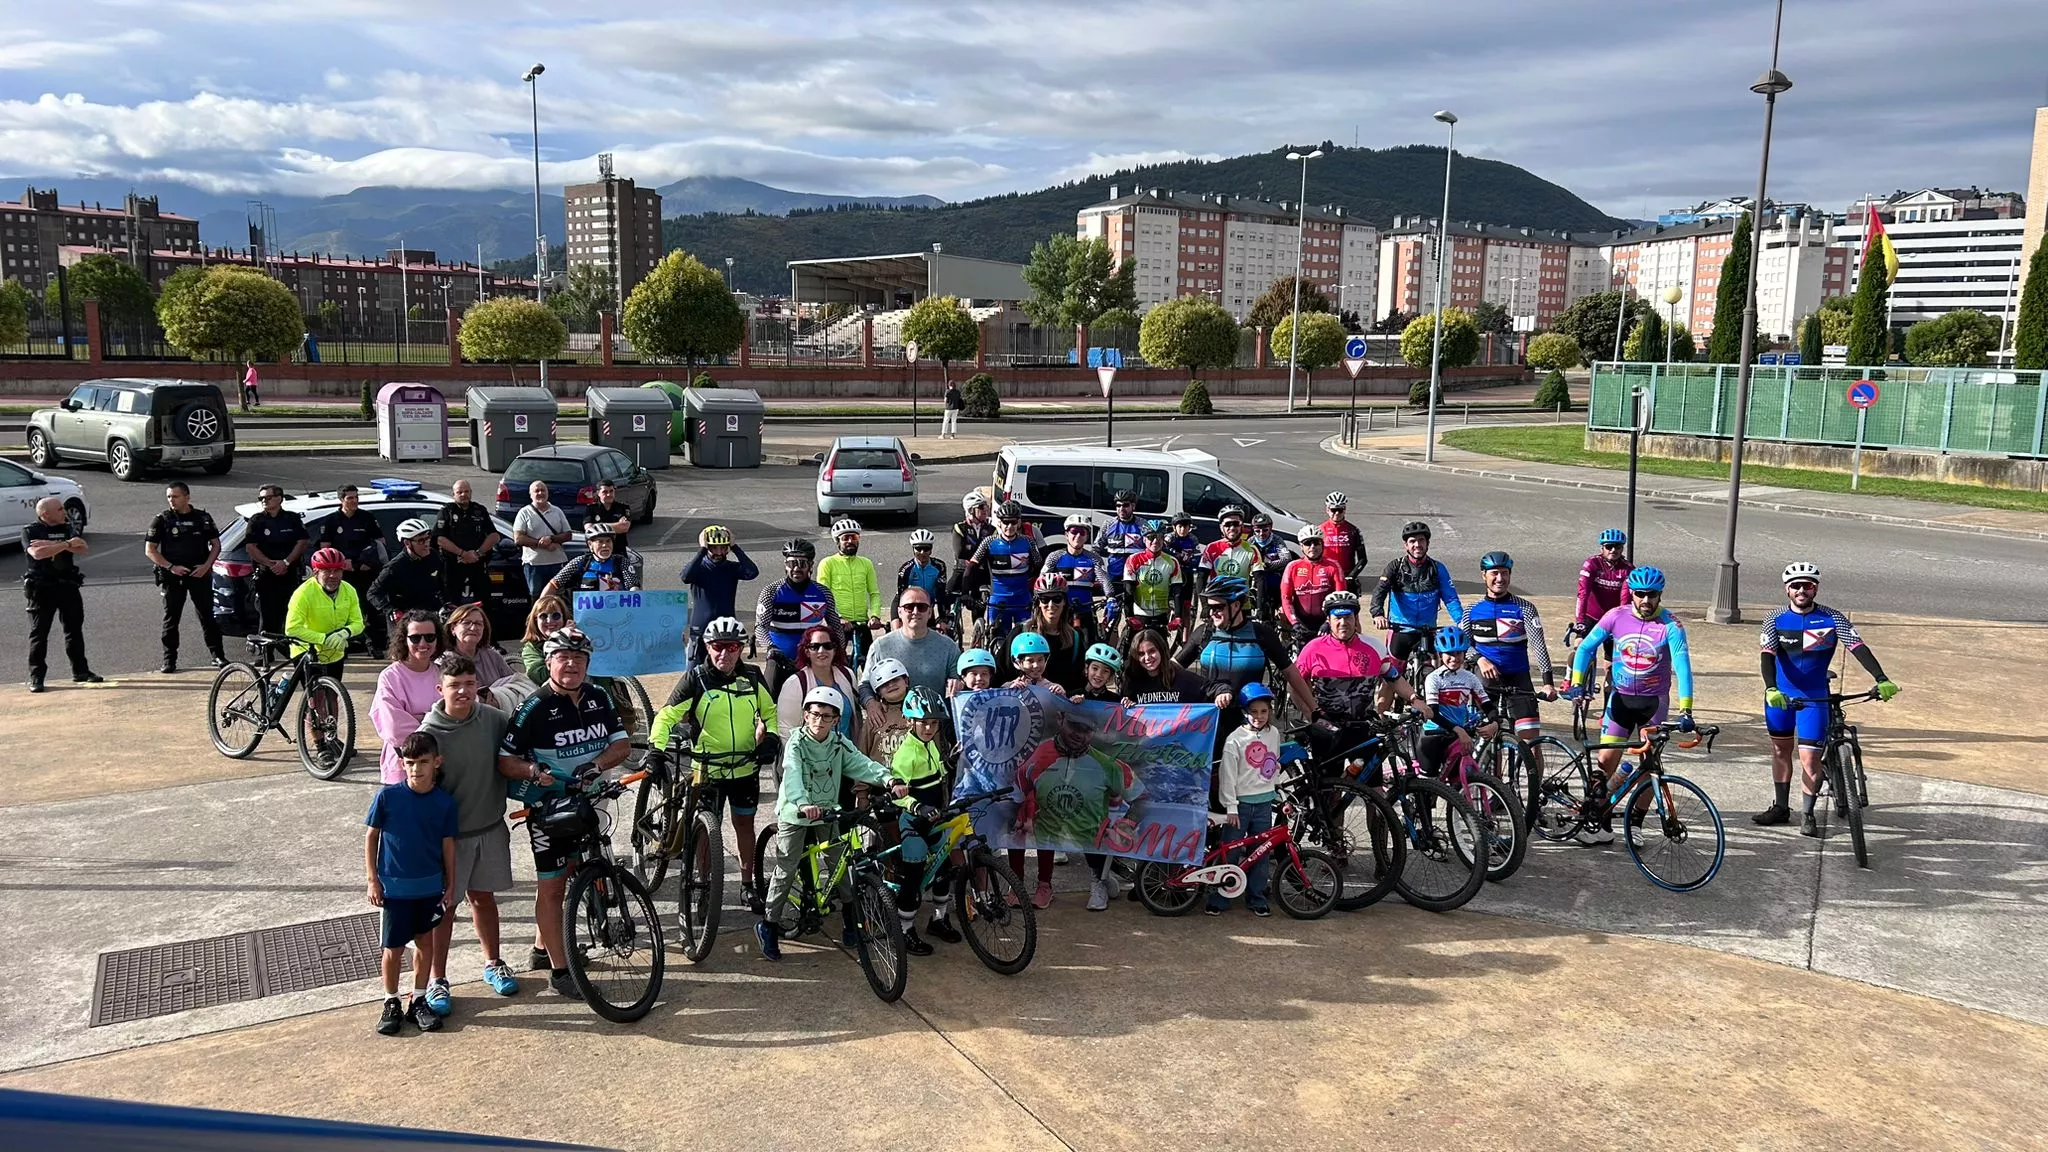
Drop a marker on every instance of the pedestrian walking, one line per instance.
(183, 543)
(466, 536)
(51, 583)
(956, 403)
(540, 530)
(360, 539)
(250, 383)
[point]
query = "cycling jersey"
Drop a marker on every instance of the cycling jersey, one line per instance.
(586, 573)
(1188, 550)
(1457, 698)
(314, 614)
(1304, 585)
(1121, 540)
(1272, 558)
(562, 732)
(1509, 632)
(929, 576)
(1342, 673)
(856, 591)
(1241, 559)
(786, 611)
(1081, 571)
(722, 708)
(1233, 656)
(1408, 593)
(1603, 587)
(1343, 545)
(1799, 646)
(1153, 578)
(967, 536)
(1008, 563)
(1650, 656)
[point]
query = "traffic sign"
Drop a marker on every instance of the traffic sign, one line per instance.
(1354, 365)
(1863, 393)
(910, 350)
(1107, 374)
(1354, 348)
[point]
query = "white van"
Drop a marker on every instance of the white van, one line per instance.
(1050, 483)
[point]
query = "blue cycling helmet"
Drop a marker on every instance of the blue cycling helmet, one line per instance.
(921, 704)
(1613, 536)
(1492, 560)
(1105, 655)
(1451, 638)
(1253, 691)
(1646, 580)
(1229, 589)
(1029, 644)
(975, 658)
(1155, 527)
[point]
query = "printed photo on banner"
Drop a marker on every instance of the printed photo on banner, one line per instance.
(634, 633)
(1089, 776)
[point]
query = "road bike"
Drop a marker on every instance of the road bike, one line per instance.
(851, 865)
(999, 923)
(678, 817)
(1585, 712)
(1841, 761)
(1330, 810)
(249, 698)
(609, 925)
(1306, 884)
(1674, 850)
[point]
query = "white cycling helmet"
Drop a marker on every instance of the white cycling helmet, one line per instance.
(923, 538)
(1802, 570)
(826, 695)
(1336, 500)
(886, 670)
(1309, 532)
(973, 500)
(1078, 521)
(725, 628)
(845, 524)
(414, 528)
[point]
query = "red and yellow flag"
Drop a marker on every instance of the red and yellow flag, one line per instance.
(1875, 239)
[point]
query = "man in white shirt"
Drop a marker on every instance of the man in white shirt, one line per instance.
(540, 530)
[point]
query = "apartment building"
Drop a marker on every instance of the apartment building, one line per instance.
(1945, 265)
(34, 229)
(1529, 271)
(614, 225)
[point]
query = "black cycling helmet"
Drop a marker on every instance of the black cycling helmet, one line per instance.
(799, 548)
(1261, 520)
(1124, 496)
(1183, 518)
(1008, 510)
(1414, 528)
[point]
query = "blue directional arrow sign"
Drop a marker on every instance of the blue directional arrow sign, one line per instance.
(1354, 348)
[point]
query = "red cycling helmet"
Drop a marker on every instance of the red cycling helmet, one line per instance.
(330, 558)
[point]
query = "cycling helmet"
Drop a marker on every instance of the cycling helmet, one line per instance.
(1252, 692)
(414, 529)
(1492, 560)
(1029, 644)
(725, 629)
(1336, 500)
(1613, 536)
(1309, 534)
(921, 704)
(329, 559)
(886, 670)
(1340, 604)
(1124, 496)
(1802, 570)
(1008, 510)
(826, 695)
(1078, 521)
(973, 500)
(713, 535)
(846, 525)
(1231, 512)
(1155, 527)
(1414, 528)
(593, 531)
(1181, 518)
(1229, 589)
(1646, 579)
(975, 658)
(1451, 638)
(1050, 585)
(567, 638)
(1104, 654)
(1261, 520)
(799, 549)
(923, 538)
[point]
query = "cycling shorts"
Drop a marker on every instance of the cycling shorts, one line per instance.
(1402, 642)
(1808, 724)
(551, 861)
(741, 795)
(1518, 700)
(1009, 615)
(1627, 714)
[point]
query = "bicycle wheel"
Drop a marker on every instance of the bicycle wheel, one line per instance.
(883, 956)
(1309, 892)
(648, 839)
(1437, 876)
(1368, 857)
(1160, 890)
(1552, 810)
(641, 720)
(615, 948)
(1582, 708)
(701, 865)
(1841, 777)
(997, 919)
(789, 916)
(234, 710)
(1500, 816)
(1680, 841)
(327, 728)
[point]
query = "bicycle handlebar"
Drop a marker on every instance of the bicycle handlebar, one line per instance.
(1798, 702)
(1705, 732)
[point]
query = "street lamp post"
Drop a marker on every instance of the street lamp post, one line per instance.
(1443, 226)
(1300, 236)
(540, 238)
(1672, 293)
(728, 273)
(1726, 607)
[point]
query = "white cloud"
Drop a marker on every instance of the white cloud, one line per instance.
(1098, 164)
(36, 55)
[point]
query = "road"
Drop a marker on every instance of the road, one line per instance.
(1549, 530)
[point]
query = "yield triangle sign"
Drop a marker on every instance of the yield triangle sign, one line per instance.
(1106, 374)
(1354, 365)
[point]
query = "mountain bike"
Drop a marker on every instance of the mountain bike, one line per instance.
(249, 697)
(1509, 759)
(1675, 851)
(1306, 883)
(1328, 809)
(1500, 813)
(1841, 761)
(998, 921)
(678, 816)
(609, 925)
(850, 865)
(1448, 850)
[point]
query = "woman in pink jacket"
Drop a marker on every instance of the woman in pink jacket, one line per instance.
(406, 688)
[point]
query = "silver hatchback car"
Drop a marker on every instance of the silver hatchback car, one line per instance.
(867, 477)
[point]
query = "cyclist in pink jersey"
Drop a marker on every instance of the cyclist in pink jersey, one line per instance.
(1602, 579)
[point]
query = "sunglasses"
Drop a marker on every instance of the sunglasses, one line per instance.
(421, 637)
(724, 646)
(920, 547)
(821, 647)
(1641, 595)
(546, 616)
(1802, 585)
(1230, 523)
(917, 606)
(1218, 609)
(1612, 547)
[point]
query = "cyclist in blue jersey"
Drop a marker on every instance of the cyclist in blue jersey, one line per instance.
(924, 571)
(789, 608)
(1274, 555)
(1404, 603)
(1007, 558)
(1514, 659)
(1121, 539)
(1798, 646)
(1230, 650)
(1183, 545)
(1081, 565)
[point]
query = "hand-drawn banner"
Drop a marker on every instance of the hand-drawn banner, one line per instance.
(1089, 777)
(634, 633)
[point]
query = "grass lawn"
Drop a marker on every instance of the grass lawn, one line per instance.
(1566, 444)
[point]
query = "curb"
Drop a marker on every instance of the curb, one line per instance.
(1332, 447)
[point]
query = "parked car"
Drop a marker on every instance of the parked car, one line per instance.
(234, 589)
(869, 476)
(136, 425)
(21, 489)
(572, 472)
(1050, 483)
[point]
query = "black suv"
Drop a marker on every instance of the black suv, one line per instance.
(135, 425)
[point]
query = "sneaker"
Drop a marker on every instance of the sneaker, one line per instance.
(1212, 910)
(219, 660)
(1059, 858)
(537, 960)
(393, 1018)
(439, 998)
(422, 1014)
(1808, 826)
(941, 930)
(769, 937)
(1593, 834)
(1261, 910)
(499, 976)
(563, 985)
(1098, 896)
(1043, 897)
(35, 684)
(1116, 885)
(849, 937)
(1635, 830)
(89, 678)
(757, 902)
(1774, 815)
(914, 944)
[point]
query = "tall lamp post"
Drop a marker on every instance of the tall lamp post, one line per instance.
(1300, 236)
(1726, 607)
(728, 273)
(1436, 345)
(540, 238)
(1672, 293)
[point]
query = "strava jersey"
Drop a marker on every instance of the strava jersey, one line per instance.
(1805, 644)
(1083, 573)
(1121, 540)
(562, 732)
(1408, 593)
(1153, 576)
(1008, 564)
(1343, 546)
(1650, 656)
(1509, 632)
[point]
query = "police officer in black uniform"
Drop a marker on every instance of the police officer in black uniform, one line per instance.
(51, 582)
(183, 544)
(358, 537)
(608, 510)
(466, 536)
(277, 540)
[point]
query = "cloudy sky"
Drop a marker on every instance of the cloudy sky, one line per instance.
(1630, 103)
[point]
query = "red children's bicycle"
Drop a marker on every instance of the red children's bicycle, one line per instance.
(1307, 887)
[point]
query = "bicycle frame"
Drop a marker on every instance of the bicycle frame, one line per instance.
(852, 855)
(1228, 878)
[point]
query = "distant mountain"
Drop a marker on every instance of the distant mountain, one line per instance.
(696, 195)
(1373, 185)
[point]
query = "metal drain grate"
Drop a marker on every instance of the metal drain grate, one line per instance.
(166, 978)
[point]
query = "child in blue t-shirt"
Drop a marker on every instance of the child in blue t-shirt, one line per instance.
(409, 856)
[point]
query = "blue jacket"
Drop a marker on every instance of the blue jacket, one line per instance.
(716, 584)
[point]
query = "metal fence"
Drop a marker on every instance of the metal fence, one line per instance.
(1934, 409)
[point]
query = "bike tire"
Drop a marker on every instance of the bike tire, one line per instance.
(235, 707)
(1500, 813)
(326, 746)
(701, 883)
(1368, 857)
(1433, 816)
(1841, 772)
(1160, 895)
(1667, 855)
(643, 710)
(1582, 707)
(1309, 892)
(990, 899)
(884, 955)
(1558, 792)
(647, 841)
(616, 954)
